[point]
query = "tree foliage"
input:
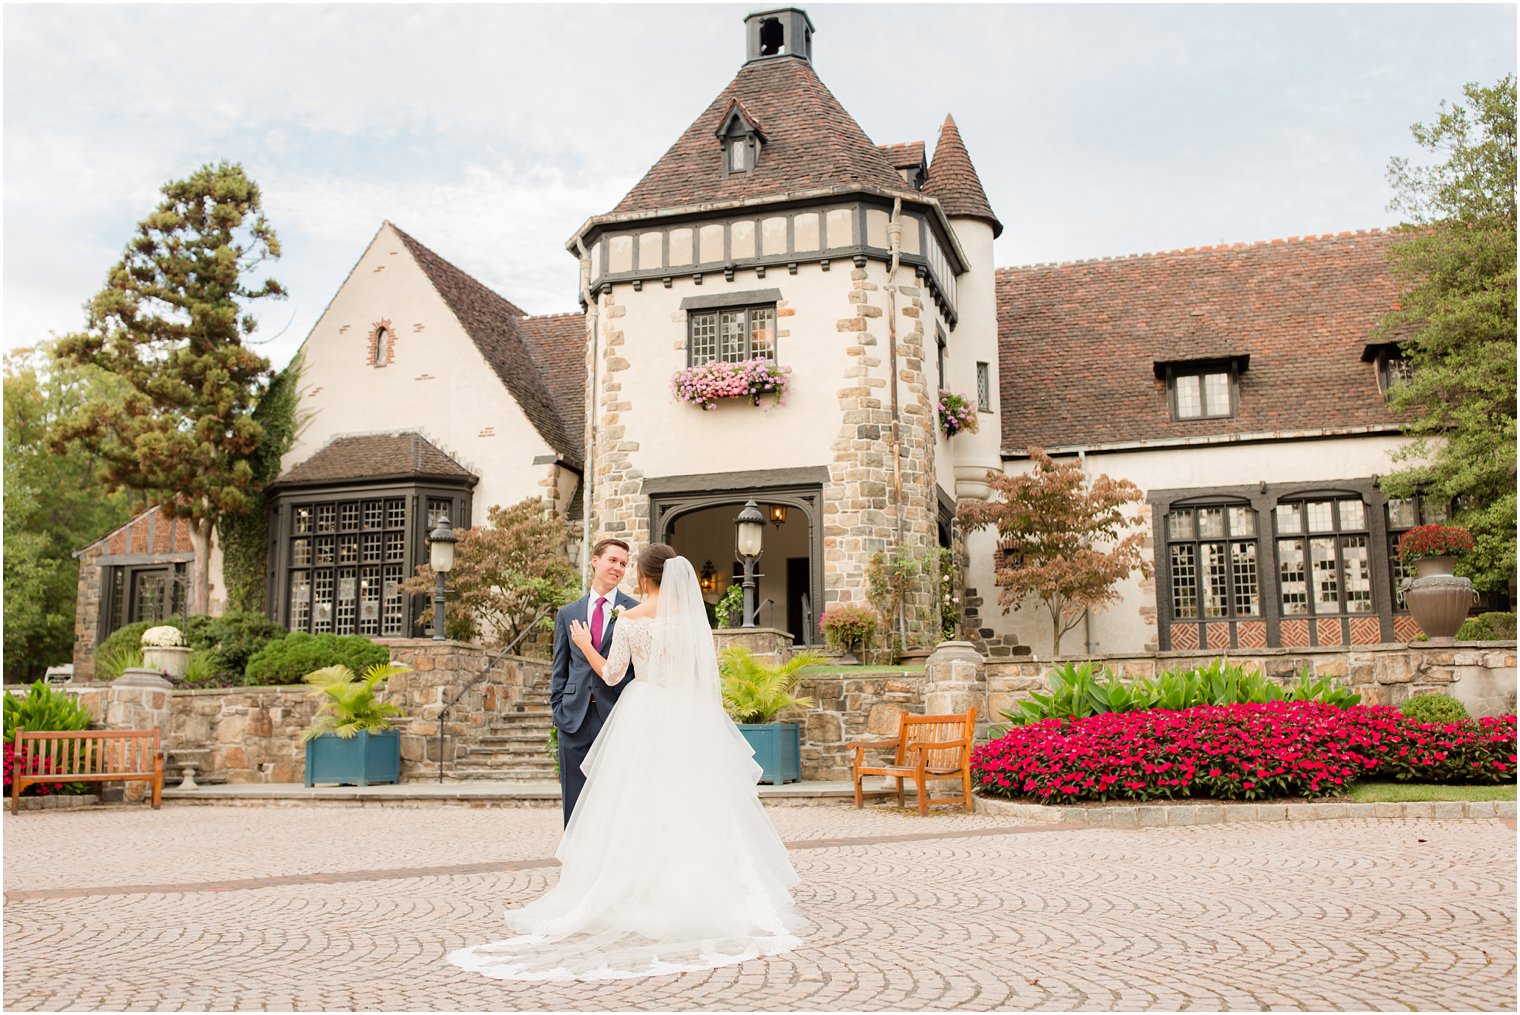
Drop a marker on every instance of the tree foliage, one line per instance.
(245, 537)
(1456, 258)
(505, 573)
(1063, 536)
(171, 324)
(54, 505)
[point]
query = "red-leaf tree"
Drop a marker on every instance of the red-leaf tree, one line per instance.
(1065, 538)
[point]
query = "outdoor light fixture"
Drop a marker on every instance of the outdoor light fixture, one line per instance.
(778, 515)
(707, 576)
(441, 556)
(749, 528)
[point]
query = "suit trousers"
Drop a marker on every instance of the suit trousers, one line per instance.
(573, 748)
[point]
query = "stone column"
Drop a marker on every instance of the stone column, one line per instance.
(139, 699)
(955, 680)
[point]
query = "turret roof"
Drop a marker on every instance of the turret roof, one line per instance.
(953, 179)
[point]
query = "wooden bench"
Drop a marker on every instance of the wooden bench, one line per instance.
(87, 756)
(929, 748)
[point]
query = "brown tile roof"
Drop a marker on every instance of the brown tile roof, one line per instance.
(810, 143)
(1078, 341)
(558, 344)
(953, 179)
(376, 456)
(493, 323)
(904, 156)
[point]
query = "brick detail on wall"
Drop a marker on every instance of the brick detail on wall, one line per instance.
(1294, 634)
(1251, 633)
(1184, 636)
(1218, 634)
(1366, 631)
(1405, 628)
(389, 350)
(1327, 631)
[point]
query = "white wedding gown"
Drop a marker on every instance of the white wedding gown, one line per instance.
(669, 863)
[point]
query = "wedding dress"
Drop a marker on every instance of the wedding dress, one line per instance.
(669, 863)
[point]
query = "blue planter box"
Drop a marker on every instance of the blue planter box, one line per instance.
(778, 749)
(367, 758)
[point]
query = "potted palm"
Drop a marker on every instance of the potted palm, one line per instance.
(351, 742)
(754, 694)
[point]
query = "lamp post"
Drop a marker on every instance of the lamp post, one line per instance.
(441, 556)
(750, 530)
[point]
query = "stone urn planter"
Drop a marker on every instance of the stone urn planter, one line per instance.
(1428, 567)
(1439, 604)
(171, 659)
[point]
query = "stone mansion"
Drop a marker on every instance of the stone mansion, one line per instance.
(1241, 387)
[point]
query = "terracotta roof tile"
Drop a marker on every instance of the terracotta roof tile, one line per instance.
(493, 322)
(810, 143)
(953, 179)
(558, 344)
(904, 156)
(1078, 335)
(405, 454)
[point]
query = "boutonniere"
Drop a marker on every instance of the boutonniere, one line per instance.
(615, 611)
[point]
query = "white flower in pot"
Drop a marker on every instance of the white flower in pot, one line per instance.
(164, 650)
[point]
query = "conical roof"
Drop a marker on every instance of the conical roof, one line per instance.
(953, 179)
(809, 143)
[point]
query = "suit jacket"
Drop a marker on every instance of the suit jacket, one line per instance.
(574, 681)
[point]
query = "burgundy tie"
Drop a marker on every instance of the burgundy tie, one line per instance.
(596, 623)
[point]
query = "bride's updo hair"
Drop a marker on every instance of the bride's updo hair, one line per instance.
(652, 560)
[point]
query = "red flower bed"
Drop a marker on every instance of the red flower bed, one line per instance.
(31, 765)
(1238, 752)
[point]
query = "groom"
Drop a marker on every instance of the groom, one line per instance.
(581, 702)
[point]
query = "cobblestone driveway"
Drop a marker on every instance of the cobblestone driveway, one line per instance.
(336, 908)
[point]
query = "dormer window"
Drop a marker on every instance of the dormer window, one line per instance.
(742, 139)
(1203, 389)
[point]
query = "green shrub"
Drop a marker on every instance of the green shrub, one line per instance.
(1488, 627)
(1437, 708)
(288, 659)
(122, 648)
(1080, 690)
(231, 639)
(43, 709)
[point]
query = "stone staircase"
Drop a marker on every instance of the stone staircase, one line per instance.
(512, 750)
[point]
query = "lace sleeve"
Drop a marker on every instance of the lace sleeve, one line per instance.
(620, 654)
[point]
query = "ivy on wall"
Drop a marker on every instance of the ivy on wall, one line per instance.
(245, 538)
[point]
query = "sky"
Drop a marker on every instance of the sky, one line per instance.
(492, 132)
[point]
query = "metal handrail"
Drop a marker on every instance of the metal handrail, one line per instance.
(444, 713)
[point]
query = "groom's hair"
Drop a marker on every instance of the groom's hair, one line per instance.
(602, 544)
(652, 560)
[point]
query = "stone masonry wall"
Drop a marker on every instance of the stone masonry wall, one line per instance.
(860, 513)
(853, 704)
(1481, 675)
(87, 612)
(618, 504)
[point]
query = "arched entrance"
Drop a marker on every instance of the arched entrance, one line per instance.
(699, 523)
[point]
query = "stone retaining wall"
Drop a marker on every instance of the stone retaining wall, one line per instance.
(1481, 675)
(853, 704)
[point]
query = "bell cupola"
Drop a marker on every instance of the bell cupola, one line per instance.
(783, 31)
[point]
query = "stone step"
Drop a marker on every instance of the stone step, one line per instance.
(517, 735)
(513, 752)
(540, 774)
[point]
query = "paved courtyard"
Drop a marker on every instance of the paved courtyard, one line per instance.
(324, 907)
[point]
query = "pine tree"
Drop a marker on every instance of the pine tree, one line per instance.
(171, 322)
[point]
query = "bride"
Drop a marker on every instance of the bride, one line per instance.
(669, 863)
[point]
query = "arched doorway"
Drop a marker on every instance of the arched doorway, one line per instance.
(700, 525)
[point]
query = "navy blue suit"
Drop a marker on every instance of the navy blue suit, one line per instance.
(580, 699)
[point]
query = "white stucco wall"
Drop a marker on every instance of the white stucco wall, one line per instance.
(962, 461)
(677, 439)
(438, 383)
(1121, 627)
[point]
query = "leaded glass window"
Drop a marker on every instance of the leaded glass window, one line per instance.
(1202, 393)
(1211, 553)
(340, 554)
(1323, 557)
(732, 334)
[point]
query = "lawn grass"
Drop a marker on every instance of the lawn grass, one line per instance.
(1408, 792)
